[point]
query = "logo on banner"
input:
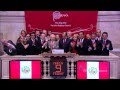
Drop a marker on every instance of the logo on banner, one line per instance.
(58, 15)
(25, 69)
(92, 70)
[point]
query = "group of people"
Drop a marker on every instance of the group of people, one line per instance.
(38, 42)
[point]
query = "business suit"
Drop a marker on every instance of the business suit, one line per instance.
(84, 49)
(37, 38)
(34, 47)
(53, 45)
(64, 44)
(99, 38)
(95, 50)
(21, 50)
(105, 50)
(45, 48)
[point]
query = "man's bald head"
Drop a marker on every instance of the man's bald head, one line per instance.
(42, 36)
(98, 33)
(52, 37)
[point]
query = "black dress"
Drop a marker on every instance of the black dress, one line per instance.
(21, 50)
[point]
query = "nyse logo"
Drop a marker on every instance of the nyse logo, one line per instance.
(57, 15)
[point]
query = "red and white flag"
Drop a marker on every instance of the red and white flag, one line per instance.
(93, 70)
(25, 69)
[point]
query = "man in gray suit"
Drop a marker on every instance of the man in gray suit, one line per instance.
(52, 43)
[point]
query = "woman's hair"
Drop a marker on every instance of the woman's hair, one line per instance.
(18, 40)
(24, 32)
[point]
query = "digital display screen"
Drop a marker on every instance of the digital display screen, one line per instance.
(58, 67)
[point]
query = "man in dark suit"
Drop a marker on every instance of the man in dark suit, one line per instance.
(69, 34)
(34, 45)
(64, 42)
(82, 47)
(37, 34)
(94, 46)
(9, 47)
(98, 35)
(106, 44)
(43, 43)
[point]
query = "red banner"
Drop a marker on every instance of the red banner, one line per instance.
(60, 21)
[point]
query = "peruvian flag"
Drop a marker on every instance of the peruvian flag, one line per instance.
(25, 69)
(93, 70)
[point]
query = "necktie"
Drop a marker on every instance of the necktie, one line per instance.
(93, 41)
(81, 40)
(104, 42)
(33, 41)
(51, 44)
(64, 40)
(42, 42)
(99, 39)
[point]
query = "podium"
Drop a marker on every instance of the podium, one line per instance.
(71, 63)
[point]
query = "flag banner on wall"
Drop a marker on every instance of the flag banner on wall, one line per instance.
(61, 21)
(93, 70)
(25, 69)
(58, 67)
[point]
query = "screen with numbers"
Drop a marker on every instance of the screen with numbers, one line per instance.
(58, 67)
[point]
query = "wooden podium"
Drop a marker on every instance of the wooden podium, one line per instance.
(71, 63)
